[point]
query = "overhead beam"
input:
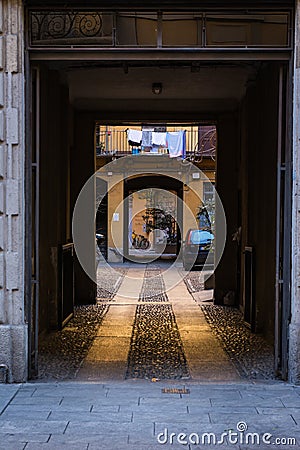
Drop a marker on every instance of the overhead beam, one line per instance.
(92, 54)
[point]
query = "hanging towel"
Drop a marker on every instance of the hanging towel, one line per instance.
(159, 139)
(176, 143)
(134, 136)
(147, 138)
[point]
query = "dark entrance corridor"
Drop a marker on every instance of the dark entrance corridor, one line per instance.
(246, 156)
(229, 69)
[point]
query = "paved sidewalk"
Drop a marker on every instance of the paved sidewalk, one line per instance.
(134, 414)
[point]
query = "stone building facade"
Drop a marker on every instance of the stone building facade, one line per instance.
(13, 327)
(294, 331)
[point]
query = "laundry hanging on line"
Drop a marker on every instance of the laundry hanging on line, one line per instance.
(134, 137)
(146, 137)
(159, 139)
(176, 141)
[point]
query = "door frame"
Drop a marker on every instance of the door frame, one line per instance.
(152, 181)
(32, 202)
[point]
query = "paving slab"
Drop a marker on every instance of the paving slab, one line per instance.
(157, 402)
(15, 446)
(170, 417)
(12, 413)
(37, 401)
(249, 402)
(86, 392)
(107, 357)
(9, 389)
(129, 404)
(17, 426)
(75, 427)
(291, 401)
(51, 446)
(251, 419)
(141, 446)
(93, 416)
(277, 411)
(6, 393)
(181, 409)
(112, 442)
(16, 438)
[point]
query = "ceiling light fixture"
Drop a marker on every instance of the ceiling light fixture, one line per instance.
(156, 88)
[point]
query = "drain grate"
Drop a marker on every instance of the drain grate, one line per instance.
(175, 391)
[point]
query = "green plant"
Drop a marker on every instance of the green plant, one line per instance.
(206, 215)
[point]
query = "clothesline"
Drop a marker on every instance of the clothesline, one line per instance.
(174, 141)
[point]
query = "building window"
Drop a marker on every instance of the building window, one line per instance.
(208, 192)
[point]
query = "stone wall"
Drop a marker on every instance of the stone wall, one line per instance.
(13, 330)
(294, 331)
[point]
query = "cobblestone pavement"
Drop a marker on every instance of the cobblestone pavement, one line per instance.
(109, 280)
(61, 353)
(140, 337)
(140, 415)
(153, 289)
(156, 350)
(250, 353)
(194, 281)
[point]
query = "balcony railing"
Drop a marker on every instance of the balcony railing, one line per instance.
(156, 29)
(200, 142)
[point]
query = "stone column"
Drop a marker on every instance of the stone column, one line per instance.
(294, 331)
(13, 329)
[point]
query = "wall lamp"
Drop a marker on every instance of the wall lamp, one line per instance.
(156, 88)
